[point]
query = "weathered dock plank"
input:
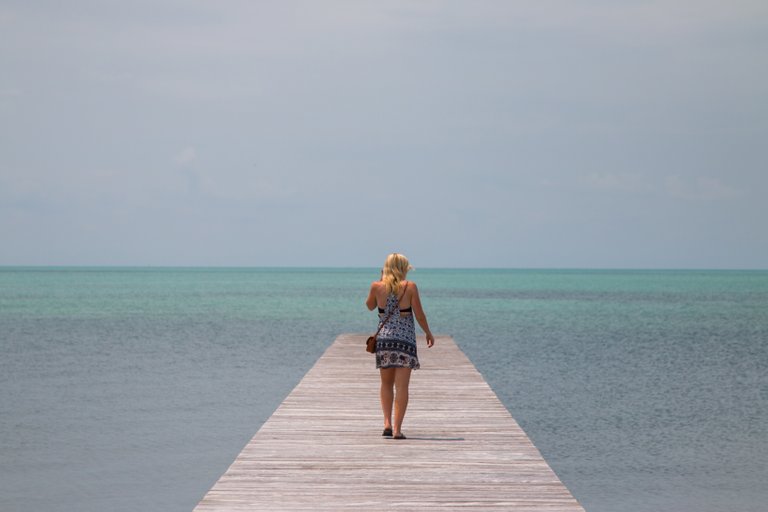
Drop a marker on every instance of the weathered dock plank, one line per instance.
(322, 448)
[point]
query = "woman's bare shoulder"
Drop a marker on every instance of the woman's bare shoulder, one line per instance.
(412, 288)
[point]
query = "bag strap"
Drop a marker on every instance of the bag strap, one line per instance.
(390, 313)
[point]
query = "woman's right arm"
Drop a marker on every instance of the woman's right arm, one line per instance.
(421, 317)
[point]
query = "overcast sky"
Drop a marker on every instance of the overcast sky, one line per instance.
(328, 133)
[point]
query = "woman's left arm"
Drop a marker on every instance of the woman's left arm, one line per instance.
(371, 300)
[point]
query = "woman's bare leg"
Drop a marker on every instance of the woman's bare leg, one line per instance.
(402, 380)
(387, 394)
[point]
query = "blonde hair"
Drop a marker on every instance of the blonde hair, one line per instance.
(395, 268)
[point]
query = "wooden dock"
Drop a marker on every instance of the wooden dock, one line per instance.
(322, 450)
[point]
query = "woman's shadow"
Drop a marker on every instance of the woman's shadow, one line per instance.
(422, 438)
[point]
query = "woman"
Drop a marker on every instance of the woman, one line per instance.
(396, 343)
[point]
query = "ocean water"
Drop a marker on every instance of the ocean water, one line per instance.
(135, 388)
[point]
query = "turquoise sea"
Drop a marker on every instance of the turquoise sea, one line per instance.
(134, 388)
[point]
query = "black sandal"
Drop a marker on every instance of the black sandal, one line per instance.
(387, 432)
(400, 436)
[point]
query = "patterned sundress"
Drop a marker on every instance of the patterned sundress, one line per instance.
(396, 342)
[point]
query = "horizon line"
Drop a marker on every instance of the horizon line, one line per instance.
(355, 267)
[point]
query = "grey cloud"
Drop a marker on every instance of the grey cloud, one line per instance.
(495, 127)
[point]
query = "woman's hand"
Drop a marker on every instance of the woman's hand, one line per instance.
(430, 340)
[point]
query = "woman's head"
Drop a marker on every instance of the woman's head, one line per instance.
(395, 269)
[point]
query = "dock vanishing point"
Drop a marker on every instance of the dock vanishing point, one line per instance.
(322, 449)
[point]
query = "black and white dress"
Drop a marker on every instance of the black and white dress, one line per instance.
(396, 342)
